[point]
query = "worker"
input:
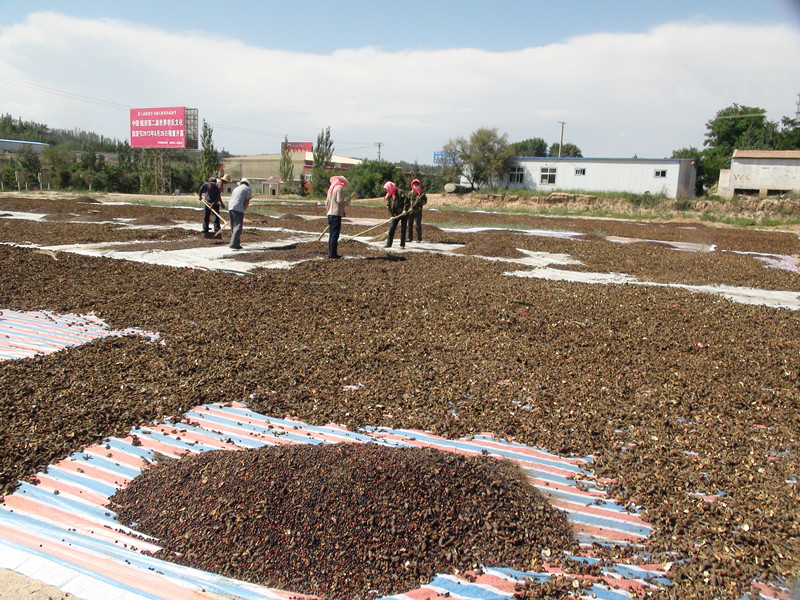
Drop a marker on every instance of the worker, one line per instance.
(397, 204)
(211, 201)
(418, 200)
(335, 203)
(240, 200)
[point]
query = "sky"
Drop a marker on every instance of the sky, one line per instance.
(619, 79)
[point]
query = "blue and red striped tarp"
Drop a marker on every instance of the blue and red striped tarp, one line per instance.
(59, 530)
(35, 333)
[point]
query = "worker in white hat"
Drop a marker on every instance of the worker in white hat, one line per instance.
(240, 200)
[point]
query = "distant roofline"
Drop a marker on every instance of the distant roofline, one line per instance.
(793, 154)
(579, 158)
(306, 156)
(24, 142)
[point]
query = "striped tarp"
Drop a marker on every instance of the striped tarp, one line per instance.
(59, 530)
(35, 333)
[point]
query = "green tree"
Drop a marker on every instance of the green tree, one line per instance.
(286, 168)
(530, 147)
(735, 127)
(114, 178)
(182, 177)
(126, 156)
(482, 160)
(209, 157)
(742, 127)
(323, 152)
(9, 182)
(367, 179)
(89, 160)
(568, 150)
(58, 162)
(789, 134)
(29, 163)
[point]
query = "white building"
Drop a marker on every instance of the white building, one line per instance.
(672, 177)
(761, 172)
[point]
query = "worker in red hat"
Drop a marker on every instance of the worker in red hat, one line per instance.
(418, 200)
(397, 204)
(335, 203)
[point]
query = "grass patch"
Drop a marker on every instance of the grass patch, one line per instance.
(264, 211)
(563, 211)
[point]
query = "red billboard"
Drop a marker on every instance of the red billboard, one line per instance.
(297, 146)
(164, 127)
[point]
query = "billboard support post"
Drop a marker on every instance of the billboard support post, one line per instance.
(163, 179)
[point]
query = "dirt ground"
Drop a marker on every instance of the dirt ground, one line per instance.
(14, 586)
(689, 402)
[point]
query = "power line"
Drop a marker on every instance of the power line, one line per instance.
(741, 116)
(65, 94)
(246, 130)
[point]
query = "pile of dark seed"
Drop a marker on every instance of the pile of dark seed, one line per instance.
(341, 520)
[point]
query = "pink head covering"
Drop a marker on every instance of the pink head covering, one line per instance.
(336, 181)
(391, 188)
(416, 187)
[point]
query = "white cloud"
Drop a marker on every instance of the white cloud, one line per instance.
(620, 94)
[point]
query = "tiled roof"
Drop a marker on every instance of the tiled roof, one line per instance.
(775, 154)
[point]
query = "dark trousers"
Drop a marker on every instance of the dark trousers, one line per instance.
(392, 229)
(415, 217)
(237, 218)
(207, 214)
(334, 229)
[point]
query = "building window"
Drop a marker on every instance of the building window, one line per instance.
(548, 175)
(580, 171)
(660, 173)
(517, 175)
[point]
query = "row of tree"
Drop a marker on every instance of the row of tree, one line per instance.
(84, 160)
(81, 160)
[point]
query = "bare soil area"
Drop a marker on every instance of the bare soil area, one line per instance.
(14, 586)
(690, 403)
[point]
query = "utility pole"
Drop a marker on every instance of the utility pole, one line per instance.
(379, 144)
(561, 143)
(797, 108)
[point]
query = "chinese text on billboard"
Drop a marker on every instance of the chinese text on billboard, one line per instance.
(158, 127)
